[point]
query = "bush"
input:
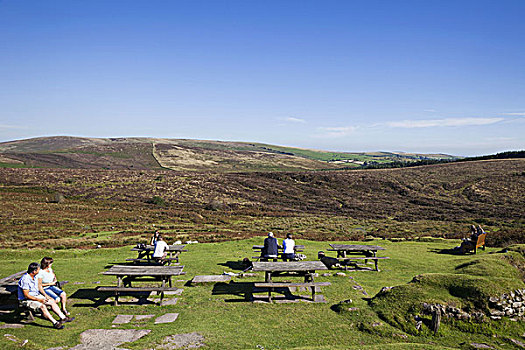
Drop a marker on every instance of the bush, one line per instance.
(156, 200)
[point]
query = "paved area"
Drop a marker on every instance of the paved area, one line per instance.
(108, 339)
(166, 318)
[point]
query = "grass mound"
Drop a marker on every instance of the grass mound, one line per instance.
(469, 289)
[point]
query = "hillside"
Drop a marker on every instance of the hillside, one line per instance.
(182, 155)
(437, 200)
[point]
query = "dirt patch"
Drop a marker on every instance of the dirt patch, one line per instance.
(182, 341)
(108, 339)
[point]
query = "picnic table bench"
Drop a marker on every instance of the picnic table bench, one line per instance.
(348, 252)
(127, 274)
(145, 254)
(304, 269)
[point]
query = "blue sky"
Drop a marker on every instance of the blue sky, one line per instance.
(414, 76)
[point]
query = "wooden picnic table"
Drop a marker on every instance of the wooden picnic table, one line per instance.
(347, 252)
(344, 249)
(302, 268)
(145, 254)
(126, 274)
(299, 268)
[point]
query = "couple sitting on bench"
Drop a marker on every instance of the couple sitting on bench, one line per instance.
(37, 291)
(271, 248)
(473, 241)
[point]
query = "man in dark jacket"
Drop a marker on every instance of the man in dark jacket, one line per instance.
(270, 248)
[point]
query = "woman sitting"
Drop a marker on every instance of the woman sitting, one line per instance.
(47, 283)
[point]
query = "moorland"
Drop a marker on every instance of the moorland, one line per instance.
(87, 206)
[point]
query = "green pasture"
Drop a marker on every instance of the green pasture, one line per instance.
(220, 313)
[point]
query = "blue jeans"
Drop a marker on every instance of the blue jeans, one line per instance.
(53, 291)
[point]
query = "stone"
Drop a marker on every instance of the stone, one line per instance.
(121, 319)
(108, 339)
(340, 274)
(376, 324)
(517, 304)
(519, 343)
(166, 318)
(11, 325)
(210, 279)
(167, 302)
(495, 318)
(493, 300)
(174, 292)
(353, 309)
(481, 346)
(326, 274)
(143, 317)
(497, 313)
(187, 341)
(319, 298)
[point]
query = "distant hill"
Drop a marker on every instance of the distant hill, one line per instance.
(185, 155)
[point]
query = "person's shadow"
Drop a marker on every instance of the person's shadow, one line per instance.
(238, 265)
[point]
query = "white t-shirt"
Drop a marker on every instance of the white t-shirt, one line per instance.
(47, 277)
(160, 246)
(289, 245)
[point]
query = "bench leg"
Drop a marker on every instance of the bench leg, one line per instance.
(313, 293)
(377, 269)
(270, 294)
(116, 299)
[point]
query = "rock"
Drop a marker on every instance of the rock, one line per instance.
(385, 289)
(143, 317)
(108, 339)
(517, 304)
(121, 319)
(326, 274)
(495, 318)
(341, 274)
(519, 343)
(481, 346)
(496, 313)
(186, 341)
(352, 309)
(166, 318)
(493, 300)
(11, 325)
(168, 302)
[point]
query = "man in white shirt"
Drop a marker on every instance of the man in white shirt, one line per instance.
(161, 249)
(289, 248)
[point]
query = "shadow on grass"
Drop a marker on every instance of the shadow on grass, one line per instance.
(450, 251)
(236, 265)
(240, 289)
(101, 298)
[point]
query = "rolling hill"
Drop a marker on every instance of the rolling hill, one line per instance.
(183, 155)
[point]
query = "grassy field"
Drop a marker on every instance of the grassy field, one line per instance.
(227, 321)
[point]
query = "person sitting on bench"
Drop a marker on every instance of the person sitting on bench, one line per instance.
(48, 282)
(270, 249)
(30, 296)
(289, 248)
(160, 251)
(469, 243)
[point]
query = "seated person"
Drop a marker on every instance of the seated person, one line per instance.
(47, 281)
(289, 248)
(270, 249)
(161, 249)
(154, 238)
(31, 297)
(469, 243)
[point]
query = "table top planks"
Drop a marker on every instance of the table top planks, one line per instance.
(355, 247)
(288, 266)
(129, 270)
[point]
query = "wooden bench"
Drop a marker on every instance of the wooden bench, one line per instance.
(374, 258)
(272, 285)
(119, 290)
(258, 248)
(152, 261)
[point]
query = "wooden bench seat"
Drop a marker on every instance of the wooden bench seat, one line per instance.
(136, 260)
(119, 290)
(272, 285)
(374, 258)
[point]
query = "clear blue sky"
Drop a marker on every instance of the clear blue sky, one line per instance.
(414, 76)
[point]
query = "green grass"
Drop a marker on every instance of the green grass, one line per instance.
(243, 325)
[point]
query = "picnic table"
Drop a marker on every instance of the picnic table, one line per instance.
(145, 254)
(259, 248)
(304, 269)
(127, 274)
(348, 252)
